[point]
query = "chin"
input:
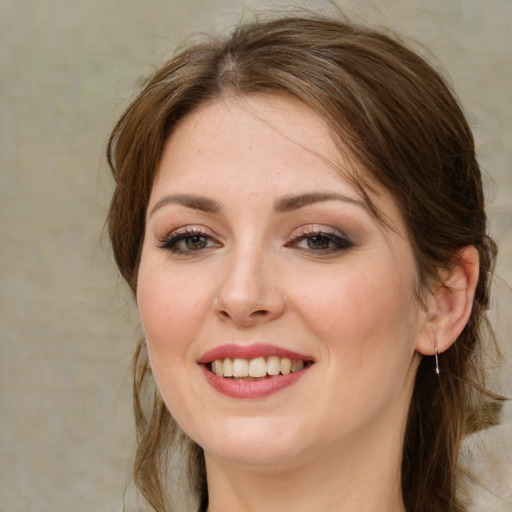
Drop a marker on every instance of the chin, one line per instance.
(253, 443)
(253, 456)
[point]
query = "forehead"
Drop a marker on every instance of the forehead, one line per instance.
(260, 119)
(256, 127)
(278, 134)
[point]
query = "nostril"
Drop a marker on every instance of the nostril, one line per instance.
(259, 312)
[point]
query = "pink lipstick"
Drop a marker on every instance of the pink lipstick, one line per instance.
(234, 351)
(252, 371)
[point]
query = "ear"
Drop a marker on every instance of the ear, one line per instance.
(450, 303)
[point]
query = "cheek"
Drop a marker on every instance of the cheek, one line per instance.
(165, 307)
(368, 324)
(364, 317)
(173, 307)
(169, 317)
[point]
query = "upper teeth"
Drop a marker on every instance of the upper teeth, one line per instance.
(258, 367)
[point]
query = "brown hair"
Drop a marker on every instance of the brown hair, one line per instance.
(397, 118)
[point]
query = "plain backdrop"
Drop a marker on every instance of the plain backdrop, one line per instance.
(67, 323)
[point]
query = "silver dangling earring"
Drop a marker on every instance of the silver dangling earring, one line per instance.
(437, 359)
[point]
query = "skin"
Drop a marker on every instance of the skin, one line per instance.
(243, 272)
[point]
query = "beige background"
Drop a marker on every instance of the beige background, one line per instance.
(67, 327)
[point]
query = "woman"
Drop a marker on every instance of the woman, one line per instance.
(299, 214)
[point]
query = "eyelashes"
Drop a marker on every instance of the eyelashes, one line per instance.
(320, 241)
(189, 240)
(192, 241)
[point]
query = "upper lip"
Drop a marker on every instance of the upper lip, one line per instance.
(235, 351)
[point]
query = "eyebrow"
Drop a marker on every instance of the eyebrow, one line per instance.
(290, 203)
(190, 201)
(281, 205)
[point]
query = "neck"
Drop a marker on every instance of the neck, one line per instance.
(355, 476)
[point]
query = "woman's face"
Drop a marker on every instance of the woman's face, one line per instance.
(260, 259)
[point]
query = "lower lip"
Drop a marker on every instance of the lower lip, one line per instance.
(251, 388)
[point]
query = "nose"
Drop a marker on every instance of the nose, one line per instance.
(249, 292)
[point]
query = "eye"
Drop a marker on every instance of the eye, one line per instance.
(320, 242)
(188, 241)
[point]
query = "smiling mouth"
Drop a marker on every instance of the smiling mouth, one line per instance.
(259, 368)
